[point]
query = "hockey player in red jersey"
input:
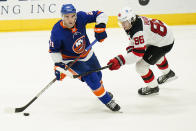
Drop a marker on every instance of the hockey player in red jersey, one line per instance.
(69, 39)
(150, 40)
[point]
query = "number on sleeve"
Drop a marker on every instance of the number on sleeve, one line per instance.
(158, 27)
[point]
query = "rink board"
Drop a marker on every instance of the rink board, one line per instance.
(46, 24)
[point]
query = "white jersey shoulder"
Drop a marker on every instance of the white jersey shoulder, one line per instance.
(156, 32)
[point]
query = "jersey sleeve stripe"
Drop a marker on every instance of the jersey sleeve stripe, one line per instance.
(139, 51)
(129, 49)
(99, 12)
(66, 57)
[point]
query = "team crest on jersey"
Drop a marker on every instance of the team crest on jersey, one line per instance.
(79, 45)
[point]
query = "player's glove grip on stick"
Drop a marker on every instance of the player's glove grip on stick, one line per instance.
(116, 62)
(60, 71)
(100, 33)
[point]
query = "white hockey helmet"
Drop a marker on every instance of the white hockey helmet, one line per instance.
(126, 14)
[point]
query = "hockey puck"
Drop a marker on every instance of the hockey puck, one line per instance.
(26, 114)
(144, 2)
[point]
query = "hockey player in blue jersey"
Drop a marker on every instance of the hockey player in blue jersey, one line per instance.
(69, 39)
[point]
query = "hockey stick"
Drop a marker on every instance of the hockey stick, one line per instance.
(21, 109)
(89, 72)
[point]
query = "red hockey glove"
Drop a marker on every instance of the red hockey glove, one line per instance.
(116, 62)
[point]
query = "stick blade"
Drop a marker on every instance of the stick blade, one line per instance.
(9, 110)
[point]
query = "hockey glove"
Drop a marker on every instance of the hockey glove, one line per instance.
(100, 33)
(116, 62)
(60, 71)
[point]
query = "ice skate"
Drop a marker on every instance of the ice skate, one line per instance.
(147, 90)
(112, 105)
(164, 78)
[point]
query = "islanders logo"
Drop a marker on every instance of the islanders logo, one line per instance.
(79, 45)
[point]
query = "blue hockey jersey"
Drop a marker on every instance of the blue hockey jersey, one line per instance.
(72, 42)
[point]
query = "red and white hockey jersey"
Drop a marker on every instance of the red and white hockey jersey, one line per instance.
(144, 32)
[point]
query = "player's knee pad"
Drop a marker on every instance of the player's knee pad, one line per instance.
(142, 67)
(92, 80)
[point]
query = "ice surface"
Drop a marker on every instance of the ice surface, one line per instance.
(9, 110)
(26, 68)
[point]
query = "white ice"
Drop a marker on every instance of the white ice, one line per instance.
(26, 68)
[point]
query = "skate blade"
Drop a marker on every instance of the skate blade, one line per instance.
(117, 112)
(170, 80)
(153, 94)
